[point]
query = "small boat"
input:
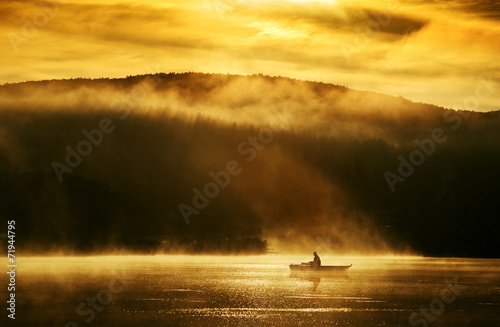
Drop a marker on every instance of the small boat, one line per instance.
(307, 267)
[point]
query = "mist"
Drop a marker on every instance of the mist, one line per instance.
(308, 162)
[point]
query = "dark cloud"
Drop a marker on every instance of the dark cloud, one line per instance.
(393, 24)
(350, 19)
(482, 8)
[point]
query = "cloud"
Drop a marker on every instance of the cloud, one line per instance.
(412, 42)
(481, 8)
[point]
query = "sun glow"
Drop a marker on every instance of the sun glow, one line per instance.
(330, 2)
(272, 30)
(312, 2)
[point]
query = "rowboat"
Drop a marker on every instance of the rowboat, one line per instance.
(308, 267)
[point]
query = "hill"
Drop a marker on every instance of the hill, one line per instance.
(204, 163)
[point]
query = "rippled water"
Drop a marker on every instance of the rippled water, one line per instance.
(255, 291)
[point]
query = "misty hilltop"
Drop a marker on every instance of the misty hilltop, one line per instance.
(210, 163)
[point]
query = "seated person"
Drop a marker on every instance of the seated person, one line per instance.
(316, 263)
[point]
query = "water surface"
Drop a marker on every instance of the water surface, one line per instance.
(255, 291)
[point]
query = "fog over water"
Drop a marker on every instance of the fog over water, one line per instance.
(255, 291)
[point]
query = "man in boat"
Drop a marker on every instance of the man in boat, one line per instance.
(316, 263)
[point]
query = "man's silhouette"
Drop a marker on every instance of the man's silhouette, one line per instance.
(316, 263)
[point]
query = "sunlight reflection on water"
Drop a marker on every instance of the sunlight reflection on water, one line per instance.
(212, 291)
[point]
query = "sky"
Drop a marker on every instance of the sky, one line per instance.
(441, 52)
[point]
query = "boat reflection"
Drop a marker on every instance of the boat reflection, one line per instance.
(315, 277)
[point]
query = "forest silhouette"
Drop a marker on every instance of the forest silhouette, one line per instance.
(321, 175)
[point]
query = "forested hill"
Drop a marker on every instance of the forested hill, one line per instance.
(205, 163)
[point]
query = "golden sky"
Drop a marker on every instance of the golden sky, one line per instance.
(427, 51)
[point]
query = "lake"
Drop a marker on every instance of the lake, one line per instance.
(254, 291)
